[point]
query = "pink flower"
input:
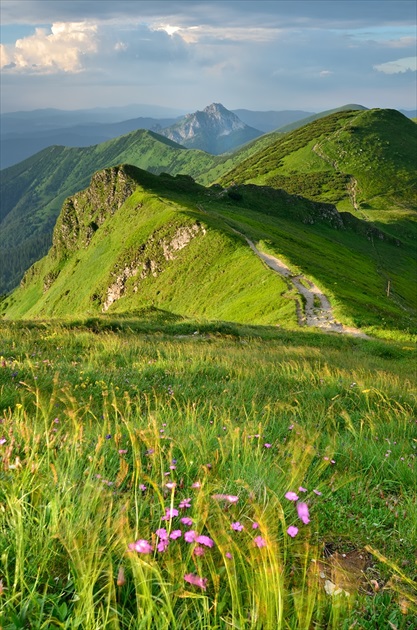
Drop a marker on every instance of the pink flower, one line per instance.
(169, 514)
(267, 445)
(198, 551)
(142, 487)
(302, 511)
(205, 540)
(228, 555)
(3, 440)
(191, 578)
(176, 533)
(292, 531)
(170, 485)
(255, 525)
(162, 533)
(226, 497)
(291, 496)
(237, 526)
(301, 489)
(190, 536)
(162, 545)
(186, 520)
(317, 492)
(259, 542)
(185, 503)
(196, 484)
(141, 546)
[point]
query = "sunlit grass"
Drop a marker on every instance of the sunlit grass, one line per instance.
(108, 438)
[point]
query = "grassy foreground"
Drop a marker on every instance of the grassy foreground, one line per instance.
(161, 474)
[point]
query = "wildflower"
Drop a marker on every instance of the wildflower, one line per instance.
(228, 555)
(191, 578)
(142, 487)
(205, 540)
(198, 551)
(162, 533)
(171, 485)
(230, 498)
(162, 545)
(108, 436)
(141, 546)
(255, 525)
(196, 484)
(122, 451)
(237, 526)
(176, 533)
(259, 542)
(292, 531)
(317, 492)
(302, 511)
(291, 496)
(186, 520)
(190, 536)
(267, 445)
(185, 503)
(3, 441)
(301, 489)
(169, 514)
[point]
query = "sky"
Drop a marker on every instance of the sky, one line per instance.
(311, 55)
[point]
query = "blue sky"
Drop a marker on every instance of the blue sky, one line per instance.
(254, 54)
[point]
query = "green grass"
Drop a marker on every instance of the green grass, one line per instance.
(204, 278)
(93, 411)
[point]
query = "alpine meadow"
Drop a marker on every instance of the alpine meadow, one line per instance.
(207, 377)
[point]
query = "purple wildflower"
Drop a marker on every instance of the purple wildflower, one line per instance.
(237, 526)
(205, 540)
(291, 496)
(176, 533)
(186, 520)
(190, 536)
(302, 511)
(191, 578)
(185, 503)
(259, 542)
(141, 546)
(292, 531)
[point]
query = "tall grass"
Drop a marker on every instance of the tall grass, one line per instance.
(108, 439)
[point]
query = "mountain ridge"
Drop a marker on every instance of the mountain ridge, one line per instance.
(215, 130)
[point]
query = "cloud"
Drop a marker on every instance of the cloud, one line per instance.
(60, 49)
(398, 67)
(326, 73)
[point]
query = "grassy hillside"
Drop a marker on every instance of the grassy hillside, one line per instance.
(133, 239)
(139, 230)
(34, 190)
(120, 430)
(364, 162)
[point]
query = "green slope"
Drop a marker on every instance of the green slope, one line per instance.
(364, 162)
(134, 240)
(33, 191)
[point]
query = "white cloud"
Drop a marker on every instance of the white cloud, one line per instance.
(59, 50)
(398, 66)
(402, 42)
(326, 73)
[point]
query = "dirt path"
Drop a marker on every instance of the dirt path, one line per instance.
(317, 309)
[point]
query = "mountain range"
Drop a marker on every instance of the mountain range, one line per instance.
(335, 199)
(22, 134)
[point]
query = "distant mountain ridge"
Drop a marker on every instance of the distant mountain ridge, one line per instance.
(214, 130)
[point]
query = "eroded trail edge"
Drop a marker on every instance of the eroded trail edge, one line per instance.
(317, 310)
